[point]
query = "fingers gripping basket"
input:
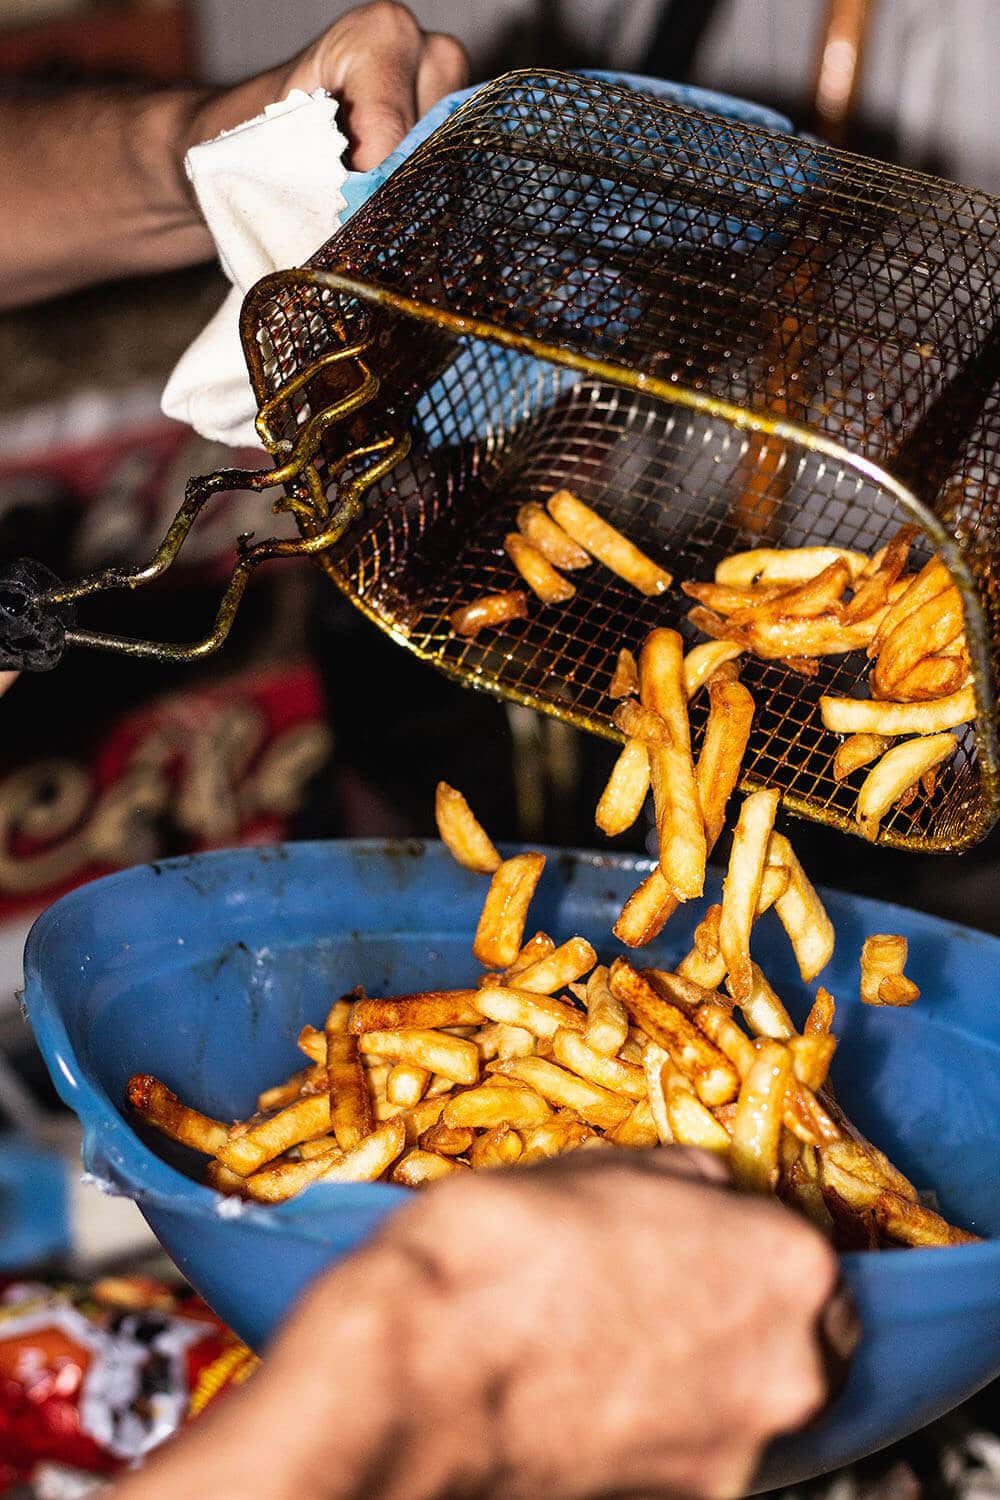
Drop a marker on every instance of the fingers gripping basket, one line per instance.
(716, 335)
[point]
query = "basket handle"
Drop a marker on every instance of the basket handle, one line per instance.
(37, 616)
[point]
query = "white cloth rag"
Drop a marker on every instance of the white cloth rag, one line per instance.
(270, 192)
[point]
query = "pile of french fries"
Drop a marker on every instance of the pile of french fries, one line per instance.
(798, 604)
(550, 542)
(550, 1051)
(792, 605)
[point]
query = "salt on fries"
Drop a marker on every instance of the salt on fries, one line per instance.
(551, 1052)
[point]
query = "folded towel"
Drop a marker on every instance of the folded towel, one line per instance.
(270, 192)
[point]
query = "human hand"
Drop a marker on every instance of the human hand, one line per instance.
(384, 70)
(590, 1326)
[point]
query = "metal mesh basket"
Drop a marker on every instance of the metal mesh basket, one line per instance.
(718, 336)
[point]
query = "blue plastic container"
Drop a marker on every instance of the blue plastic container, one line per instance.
(203, 970)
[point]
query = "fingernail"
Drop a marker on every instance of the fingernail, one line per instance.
(841, 1324)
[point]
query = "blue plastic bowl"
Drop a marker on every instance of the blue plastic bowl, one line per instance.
(202, 971)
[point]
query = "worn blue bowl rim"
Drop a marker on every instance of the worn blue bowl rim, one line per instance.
(118, 1160)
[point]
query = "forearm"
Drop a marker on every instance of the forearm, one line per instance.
(95, 183)
(336, 1411)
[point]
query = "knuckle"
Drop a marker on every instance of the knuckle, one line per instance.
(394, 17)
(449, 55)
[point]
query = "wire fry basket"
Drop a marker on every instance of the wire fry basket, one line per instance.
(716, 335)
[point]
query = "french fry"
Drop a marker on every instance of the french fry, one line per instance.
(405, 1084)
(720, 1028)
(313, 1043)
(311, 1080)
(791, 565)
(220, 1178)
(909, 1224)
(320, 1145)
(801, 912)
(300, 1121)
(864, 716)
(639, 723)
(820, 635)
(551, 541)
(805, 1192)
(681, 992)
(932, 677)
(514, 1041)
(655, 1060)
(607, 545)
(856, 751)
(160, 1107)
(683, 850)
(543, 580)
(638, 1130)
(713, 1075)
(897, 770)
(816, 596)
(708, 972)
(623, 797)
(820, 1018)
(494, 1039)
(727, 733)
(450, 1056)
(501, 925)
(757, 1123)
(365, 1163)
(742, 887)
(350, 1101)
(897, 989)
(706, 936)
(935, 624)
(489, 611)
(539, 1014)
(852, 1153)
(423, 1116)
(606, 1028)
(570, 1049)
(563, 1132)
(691, 1124)
(763, 1011)
(447, 1140)
(702, 661)
(499, 1147)
(646, 911)
(597, 1106)
(728, 599)
(883, 959)
(872, 590)
(496, 1104)
(811, 1057)
(570, 961)
(418, 1167)
(717, 627)
(462, 833)
(932, 580)
(625, 681)
(539, 946)
(422, 1010)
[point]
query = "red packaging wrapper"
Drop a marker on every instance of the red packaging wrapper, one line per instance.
(94, 1378)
